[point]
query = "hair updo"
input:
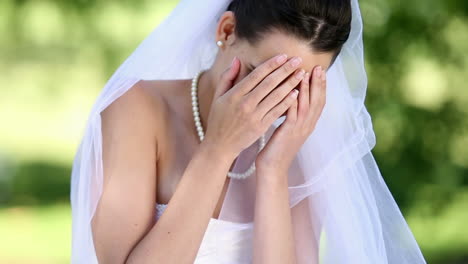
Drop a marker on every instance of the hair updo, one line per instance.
(324, 24)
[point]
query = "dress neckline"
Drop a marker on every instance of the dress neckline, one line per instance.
(215, 220)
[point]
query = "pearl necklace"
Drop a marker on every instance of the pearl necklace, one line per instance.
(201, 134)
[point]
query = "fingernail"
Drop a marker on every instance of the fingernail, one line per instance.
(295, 62)
(232, 63)
(282, 58)
(295, 93)
(300, 74)
(318, 71)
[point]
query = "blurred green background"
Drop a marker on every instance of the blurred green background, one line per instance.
(56, 55)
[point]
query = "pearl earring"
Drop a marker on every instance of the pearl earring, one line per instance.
(219, 43)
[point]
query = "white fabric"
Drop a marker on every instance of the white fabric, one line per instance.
(235, 246)
(341, 208)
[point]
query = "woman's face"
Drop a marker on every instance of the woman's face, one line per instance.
(274, 44)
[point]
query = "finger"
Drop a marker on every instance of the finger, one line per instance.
(259, 73)
(324, 88)
(227, 78)
(279, 109)
(274, 79)
(318, 98)
(303, 100)
(280, 93)
(316, 82)
(291, 116)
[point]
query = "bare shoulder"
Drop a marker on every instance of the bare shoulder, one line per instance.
(137, 104)
(139, 111)
(145, 110)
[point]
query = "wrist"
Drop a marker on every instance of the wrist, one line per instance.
(216, 152)
(270, 168)
(272, 176)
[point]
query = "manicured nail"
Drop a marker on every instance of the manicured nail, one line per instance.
(295, 62)
(306, 76)
(300, 74)
(232, 63)
(295, 93)
(318, 71)
(282, 58)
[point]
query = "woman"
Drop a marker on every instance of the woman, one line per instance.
(168, 170)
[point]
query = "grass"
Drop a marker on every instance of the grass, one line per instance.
(35, 234)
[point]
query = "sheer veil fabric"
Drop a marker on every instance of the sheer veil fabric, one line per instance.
(341, 208)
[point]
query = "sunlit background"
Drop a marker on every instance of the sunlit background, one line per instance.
(56, 55)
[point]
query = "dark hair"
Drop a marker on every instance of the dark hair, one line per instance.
(324, 24)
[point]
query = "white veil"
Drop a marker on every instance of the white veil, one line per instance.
(341, 208)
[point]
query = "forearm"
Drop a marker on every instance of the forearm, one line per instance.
(177, 235)
(273, 233)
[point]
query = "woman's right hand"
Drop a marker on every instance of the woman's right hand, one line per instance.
(240, 114)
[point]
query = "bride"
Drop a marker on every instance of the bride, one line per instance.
(237, 133)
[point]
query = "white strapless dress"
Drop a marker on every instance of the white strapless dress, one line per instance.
(233, 247)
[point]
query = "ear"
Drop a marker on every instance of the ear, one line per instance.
(225, 31)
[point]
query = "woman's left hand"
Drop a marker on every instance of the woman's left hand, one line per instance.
(301, 119)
